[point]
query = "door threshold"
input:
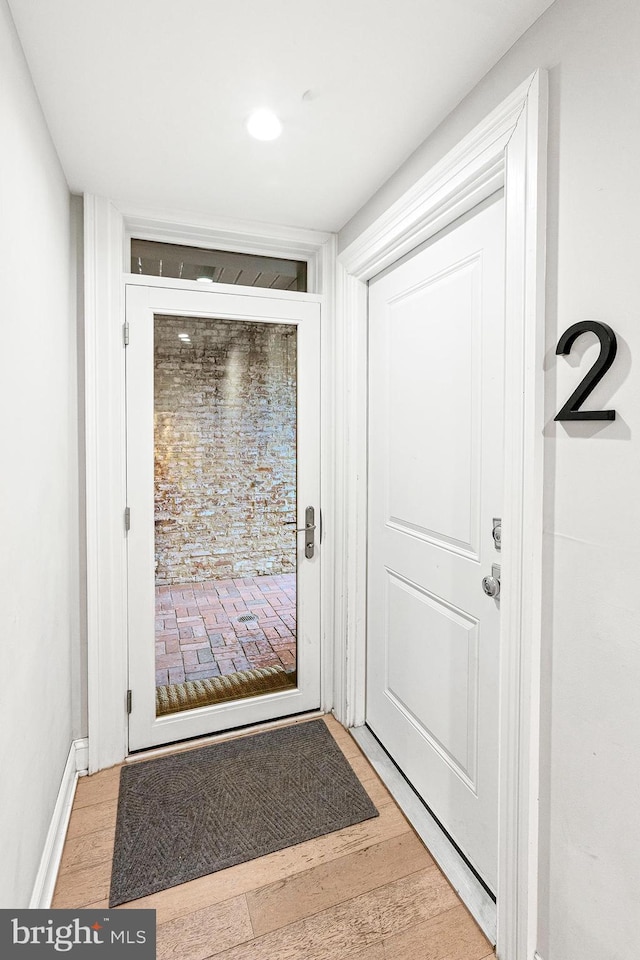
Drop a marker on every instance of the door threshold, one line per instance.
(469, 888)
(235, 734)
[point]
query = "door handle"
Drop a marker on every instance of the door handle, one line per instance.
(308, 530)
(491, 585)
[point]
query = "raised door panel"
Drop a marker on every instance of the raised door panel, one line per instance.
(432, 344)
(431, 659)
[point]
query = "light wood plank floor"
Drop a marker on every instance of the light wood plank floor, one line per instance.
(368, 892)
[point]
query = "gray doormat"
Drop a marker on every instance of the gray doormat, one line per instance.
(183, 816)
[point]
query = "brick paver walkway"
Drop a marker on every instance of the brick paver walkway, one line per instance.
(200, 633)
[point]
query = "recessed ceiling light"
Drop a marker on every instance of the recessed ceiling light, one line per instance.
(204, 279)
(264, 125)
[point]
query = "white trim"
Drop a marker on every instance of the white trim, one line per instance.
(170, 749)
(105, 484)
(52, 852)
(521, 615)
(461, 878)
(82, 756)
(351, 497)
(237, 235)
(108, 225)
(170, 283)
(469, 173)
(326, 277)
(507, 149)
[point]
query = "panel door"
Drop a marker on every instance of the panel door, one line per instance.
(436, 463)
(223, 438)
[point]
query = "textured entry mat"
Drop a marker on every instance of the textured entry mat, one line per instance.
(196, 812)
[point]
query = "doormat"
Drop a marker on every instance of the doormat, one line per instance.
(173, 697)
(187, 815)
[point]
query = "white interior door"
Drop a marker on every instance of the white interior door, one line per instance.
(223, 440)
(436, 465)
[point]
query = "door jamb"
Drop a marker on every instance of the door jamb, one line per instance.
(108, 227)
(507, 149)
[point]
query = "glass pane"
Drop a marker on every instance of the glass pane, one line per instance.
(216, 266)
(225, 509)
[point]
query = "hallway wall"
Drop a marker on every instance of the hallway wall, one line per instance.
(590, 829)
(39, 556)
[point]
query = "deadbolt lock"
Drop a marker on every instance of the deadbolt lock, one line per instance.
(496, 533)
(491, 585)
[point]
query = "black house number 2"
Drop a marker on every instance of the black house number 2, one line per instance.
(608, 348)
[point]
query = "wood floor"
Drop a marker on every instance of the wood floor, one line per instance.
(368, 892)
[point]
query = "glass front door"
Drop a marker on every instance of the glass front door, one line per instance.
(223, 435)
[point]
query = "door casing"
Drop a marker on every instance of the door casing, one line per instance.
(506, 150)
(107, 228)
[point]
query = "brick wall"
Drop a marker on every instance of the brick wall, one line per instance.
(225, 429)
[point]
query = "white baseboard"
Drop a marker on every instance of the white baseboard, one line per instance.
(77, 764)
(82, 756)
(461, 878)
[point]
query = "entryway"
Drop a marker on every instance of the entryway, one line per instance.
(223, 503)
(506, 149)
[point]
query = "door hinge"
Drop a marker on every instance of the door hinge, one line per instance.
(127, 519)
(125, 334)
(128, 701)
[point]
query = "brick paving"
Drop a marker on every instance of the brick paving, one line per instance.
(199, 632)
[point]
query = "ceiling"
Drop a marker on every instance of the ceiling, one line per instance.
(147, 100)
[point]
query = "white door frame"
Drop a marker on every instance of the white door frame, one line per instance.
(508, 149)
(107, 228)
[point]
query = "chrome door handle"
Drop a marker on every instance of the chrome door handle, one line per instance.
(308, 530)
(491, 585)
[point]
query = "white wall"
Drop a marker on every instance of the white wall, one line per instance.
(590, 867)
(39, 553)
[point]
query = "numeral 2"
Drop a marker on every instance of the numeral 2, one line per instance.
(608, 349)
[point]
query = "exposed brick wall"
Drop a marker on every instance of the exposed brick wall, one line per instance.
(225, 436)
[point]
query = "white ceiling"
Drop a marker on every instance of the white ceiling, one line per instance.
(146, 99)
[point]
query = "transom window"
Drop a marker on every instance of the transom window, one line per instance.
(154, 259)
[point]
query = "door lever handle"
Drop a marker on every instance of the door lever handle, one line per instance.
(308, 530)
